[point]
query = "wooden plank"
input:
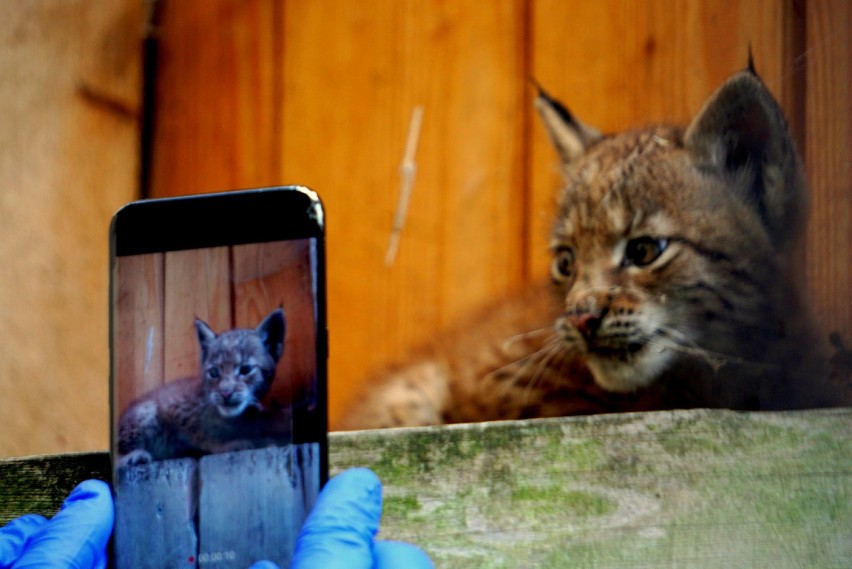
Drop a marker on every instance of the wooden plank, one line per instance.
(217, 93)
(270, 275)
(344, 125)
(39, 484)
(155, 515)
(668, 489)
(138, 342)
(829, 121)
(198, 285)
(68, 159)
(620, 64)
(252, 504)
(697, 488)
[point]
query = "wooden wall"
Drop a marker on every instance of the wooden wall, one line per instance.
(321, 93)
(318, 92)
(70, 96)
(159, 296)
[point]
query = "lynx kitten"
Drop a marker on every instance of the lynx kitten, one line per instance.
(673, 283)
(220, 410)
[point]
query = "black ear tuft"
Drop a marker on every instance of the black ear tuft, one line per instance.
(751, 68)
(272, 331)
(205, 337)
(569, 136)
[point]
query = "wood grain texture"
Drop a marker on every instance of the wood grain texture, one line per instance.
(68, 160)
(156, 508)
(462, 241)
(708, 489)
(829, 121)
(252, 504)
(270, 275)
(139, 326)
(197, 285)
(217, 95)
(691, 489)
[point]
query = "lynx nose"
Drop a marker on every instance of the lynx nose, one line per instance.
(586, 322)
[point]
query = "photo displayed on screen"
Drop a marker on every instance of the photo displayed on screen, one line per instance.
(218, 423)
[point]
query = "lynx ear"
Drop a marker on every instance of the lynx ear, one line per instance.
(205, 336)
(569, 136)
(741, 134)
(272, 331)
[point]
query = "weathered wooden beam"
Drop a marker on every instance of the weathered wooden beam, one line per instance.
(273, 489)
(158, 506)
(683, 488)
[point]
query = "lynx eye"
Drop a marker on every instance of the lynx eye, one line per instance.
(643, 251)
(213, 373)
(563, 263)
(246, 369)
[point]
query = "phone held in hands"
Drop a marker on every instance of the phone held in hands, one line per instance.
(218, 349)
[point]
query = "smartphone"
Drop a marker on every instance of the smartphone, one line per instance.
(218, 349)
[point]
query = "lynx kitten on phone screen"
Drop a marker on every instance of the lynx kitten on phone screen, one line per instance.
(219, 411)
(675, 277)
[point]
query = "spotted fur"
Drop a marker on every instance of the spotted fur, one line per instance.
(674, 283)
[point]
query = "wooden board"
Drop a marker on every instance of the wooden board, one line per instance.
(245, 492)
(69, 157)
(701, 489)
(667, 489)
(345, 80)
(829, 120)
(156, 508)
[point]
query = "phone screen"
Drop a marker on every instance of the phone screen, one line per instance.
(218, 377)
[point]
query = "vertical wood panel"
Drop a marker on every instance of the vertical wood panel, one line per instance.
(278, 274)
(139, 342)
(197, 285)
(829, 134)
(68, 160)
(354, 72)
(156, 509)
(216, 96)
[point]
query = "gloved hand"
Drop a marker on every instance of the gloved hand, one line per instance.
(340, 530)
(75, 538)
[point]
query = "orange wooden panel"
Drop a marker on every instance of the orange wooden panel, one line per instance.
(138, 335)
(619, 64)
(217, 95)
(270, 275)
(829, 133)
(197, 285)
(353, 73)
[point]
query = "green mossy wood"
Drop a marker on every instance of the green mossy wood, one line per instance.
(667, 489)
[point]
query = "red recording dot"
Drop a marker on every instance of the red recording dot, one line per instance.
(192, 559)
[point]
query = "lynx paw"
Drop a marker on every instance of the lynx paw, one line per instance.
(135, 458)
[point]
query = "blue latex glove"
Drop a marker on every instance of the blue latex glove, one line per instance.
(340, 530)
(75, 538)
